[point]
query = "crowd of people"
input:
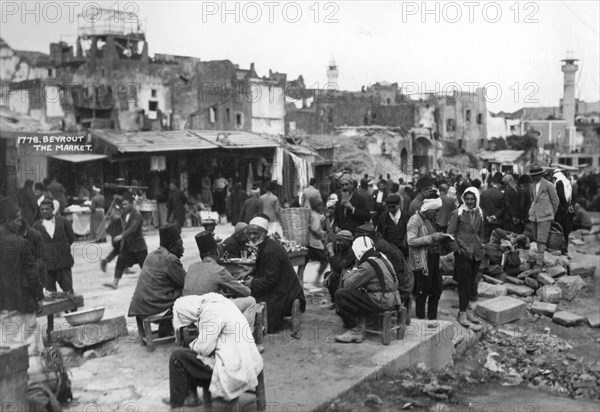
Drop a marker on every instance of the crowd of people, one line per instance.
(381, 241)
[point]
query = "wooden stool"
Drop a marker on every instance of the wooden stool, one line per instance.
(261, 324)
(408, 305)
(384, 321)
(259, 391)
(149, 338)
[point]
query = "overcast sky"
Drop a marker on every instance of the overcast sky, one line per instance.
(516, 47)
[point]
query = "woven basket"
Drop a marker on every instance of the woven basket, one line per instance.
(556, 238)
(295, 223)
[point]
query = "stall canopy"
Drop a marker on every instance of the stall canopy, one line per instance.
(78, 158)
(178, 140)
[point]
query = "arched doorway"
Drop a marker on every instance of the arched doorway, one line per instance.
(422, 154)
(404, 161)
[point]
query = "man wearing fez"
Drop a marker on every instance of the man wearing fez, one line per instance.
(58, 237)
(133, 246)
(20, 287)
(208, 276)
(161, 280)
(275, 281)
(351, 210)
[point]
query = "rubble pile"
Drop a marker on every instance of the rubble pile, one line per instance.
(541, 361)
(586, 241)
(543, 289)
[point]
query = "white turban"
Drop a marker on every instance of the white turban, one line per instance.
(260, 222)
(361, 245)
(332, 201)
(431, 204)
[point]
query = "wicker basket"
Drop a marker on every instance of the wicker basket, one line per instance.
(556, 238)
(295, 223)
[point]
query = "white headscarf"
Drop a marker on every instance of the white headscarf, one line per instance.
(463, 207)
(361, 245)
(560, 177)
(431, 204)
(332, 201)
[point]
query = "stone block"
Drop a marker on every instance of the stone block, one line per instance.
(570, 285)
(91, 334)
(543, 308)
(514, 280)
(492, 280)
(528, 273)
(550, 294)
(501, 310)
(594, 320)
(532, 283)
(556, 271)
(519, 290)
(488, 290)
(544, 278)
(567, 318)
(583, 271)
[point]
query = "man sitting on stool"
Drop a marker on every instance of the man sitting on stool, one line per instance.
(161, 280)
(367, 289)
(223, 356)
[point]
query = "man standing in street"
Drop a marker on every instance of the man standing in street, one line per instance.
(351, 210)
(544, 204)
(133, 246)
(20, 287)
(510, 214)
(424, 189)
(492, 204)
(58, 237)
(310, 192)
(448, 205)
(270, 207)
(251, 207)
(176, 205)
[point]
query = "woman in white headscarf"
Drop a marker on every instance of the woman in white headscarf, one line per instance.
(466, 225)
(224, 353)
(424, 257)
(565, 213)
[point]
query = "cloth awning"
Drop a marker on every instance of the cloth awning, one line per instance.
(78, 157)
(180, 140)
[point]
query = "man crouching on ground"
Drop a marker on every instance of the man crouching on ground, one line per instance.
(369, 288)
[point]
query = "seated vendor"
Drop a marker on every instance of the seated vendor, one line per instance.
(208, 276)
(218, 358)
(208, 228)
(161, 280)
(234, 244)
(341, 261)
(275, 281)
(369, 288)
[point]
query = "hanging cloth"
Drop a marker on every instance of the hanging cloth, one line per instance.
(249, 180)
(301, 167)
(158, 163)
(277, 166)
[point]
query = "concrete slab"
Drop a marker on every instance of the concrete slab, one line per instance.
(543, 308)
(545, 279)
(594, 320)
(501, 310)
(550, 294)
(92, 333)
(519, 290)
(570, 285)
(567, 318)
(583, 271)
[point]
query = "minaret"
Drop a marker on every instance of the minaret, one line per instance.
(569, 68)
(332, 74)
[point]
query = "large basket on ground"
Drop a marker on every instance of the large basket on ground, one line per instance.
(556, 237)
(295, 223)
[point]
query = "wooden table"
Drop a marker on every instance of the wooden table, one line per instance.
(50, 307)
(296, 258)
